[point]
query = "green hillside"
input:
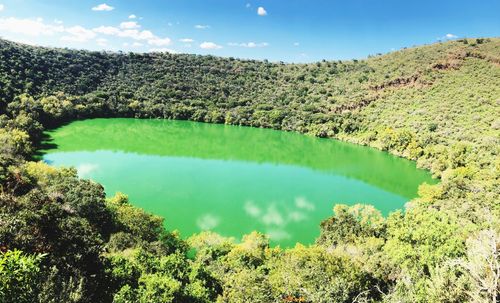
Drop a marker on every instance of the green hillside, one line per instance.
(62, 241)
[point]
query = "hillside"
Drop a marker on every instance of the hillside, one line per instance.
(437, 104)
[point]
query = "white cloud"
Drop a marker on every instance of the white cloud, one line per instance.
(86, 168)
(273, 217)
(137, 44)
(210, 45)
(38, 28)
(296, 216)
(107, 30)
(132, 16)
(102, 42)
(57, 21)
(2, 7)
(78, 34)
(261, 11)
(200, 26)
(160, 41)
(103, 7)
(140, 35)
(186, 40)
(251, 209)
(207, 222)
(129, 25)
(278, 234)
(302, 203)
(28, 27)
(277, 217)
(448, 37)
(137, 35)
(249, 44)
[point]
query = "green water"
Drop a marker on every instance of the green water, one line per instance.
(231, 179)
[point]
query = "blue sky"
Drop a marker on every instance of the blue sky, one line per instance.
(287, 30)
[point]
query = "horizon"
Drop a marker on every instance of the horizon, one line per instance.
(247, 30)
(118, 52)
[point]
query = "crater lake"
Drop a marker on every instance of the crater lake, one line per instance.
(233, 179)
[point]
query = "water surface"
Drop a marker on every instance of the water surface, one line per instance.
(231, 179)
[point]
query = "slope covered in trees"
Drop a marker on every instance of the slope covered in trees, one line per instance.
(62, 241)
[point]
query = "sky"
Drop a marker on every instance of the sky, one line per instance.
(277, 30)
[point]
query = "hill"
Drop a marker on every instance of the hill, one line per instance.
(437, 104)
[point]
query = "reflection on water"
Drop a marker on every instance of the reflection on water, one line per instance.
(233, 179)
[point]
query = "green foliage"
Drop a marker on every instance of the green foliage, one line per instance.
(20, 275)
(351, 224)
(422, 238)
(141, 276)
(437, 105)
(316, 275)
(139, 224)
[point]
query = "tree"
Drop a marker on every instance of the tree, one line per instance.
(314, 275)
(20, 276)
(483, 265)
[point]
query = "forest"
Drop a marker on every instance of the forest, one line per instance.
(62, 240)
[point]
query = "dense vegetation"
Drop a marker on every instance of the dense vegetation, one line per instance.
(61, 240)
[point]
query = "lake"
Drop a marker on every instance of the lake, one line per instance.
(233, 179)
